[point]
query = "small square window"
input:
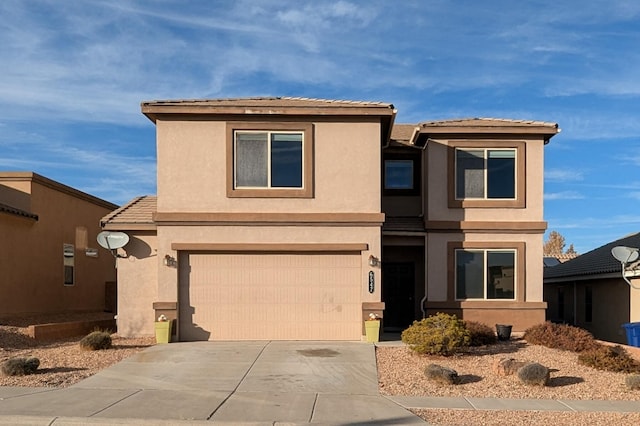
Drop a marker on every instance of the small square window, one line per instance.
(401, 174)
(398, 174)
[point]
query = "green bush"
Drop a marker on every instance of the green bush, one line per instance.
(609, 358)
(481, 334)
(439, 334)
(20, 366)
(560, 336)
(96, 340)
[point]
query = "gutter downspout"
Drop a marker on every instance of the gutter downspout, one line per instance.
(423, 202)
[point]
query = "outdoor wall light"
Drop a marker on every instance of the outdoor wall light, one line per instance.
(626, 255)
(374, 261)
(170, 261)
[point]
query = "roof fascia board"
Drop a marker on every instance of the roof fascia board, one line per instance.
(585, 277)
(154, 112)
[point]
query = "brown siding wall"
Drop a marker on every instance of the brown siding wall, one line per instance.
(31, 255)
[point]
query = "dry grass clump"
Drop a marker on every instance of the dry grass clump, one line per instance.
(96, 340)
(560, 336)
(480, 334)
(609, 358)
(20, 366)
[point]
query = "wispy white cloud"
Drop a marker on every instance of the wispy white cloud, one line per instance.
(563, 195)
(563, 175)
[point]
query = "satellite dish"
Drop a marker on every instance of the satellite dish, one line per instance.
(112, 240)
(625, 254)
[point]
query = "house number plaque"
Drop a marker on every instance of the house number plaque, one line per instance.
(372, 282)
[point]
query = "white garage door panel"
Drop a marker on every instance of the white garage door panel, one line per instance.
(271, 296)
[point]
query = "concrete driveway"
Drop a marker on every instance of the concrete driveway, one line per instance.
(267, 382)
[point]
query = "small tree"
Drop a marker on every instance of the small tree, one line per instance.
(554, 245)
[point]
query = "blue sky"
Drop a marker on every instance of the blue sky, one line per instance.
(74, 74)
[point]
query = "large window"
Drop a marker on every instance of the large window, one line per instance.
(485, 274)
(485, 174)
(269, 160)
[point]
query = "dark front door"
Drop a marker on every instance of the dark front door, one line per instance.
(398, 289)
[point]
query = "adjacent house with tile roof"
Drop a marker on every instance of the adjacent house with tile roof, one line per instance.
(49, 257)
(295, 218)
(588, 291)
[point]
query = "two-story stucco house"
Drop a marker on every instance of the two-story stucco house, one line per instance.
(290, 218)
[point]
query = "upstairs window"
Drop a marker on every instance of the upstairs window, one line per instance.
(401, 174)
(485, 174)
(269, 160)
(485, 274)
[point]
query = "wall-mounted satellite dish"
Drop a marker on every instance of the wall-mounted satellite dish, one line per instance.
(625, 254)
(113, 240)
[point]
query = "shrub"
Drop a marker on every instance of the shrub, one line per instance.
(632, 381)
(440, 374)
(480, 334)
(609, 358)
(96, 340)
(534, 374)
(560, 336)
(439, 334)
(20, 366)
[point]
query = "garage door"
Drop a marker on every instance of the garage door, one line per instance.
(266, 296)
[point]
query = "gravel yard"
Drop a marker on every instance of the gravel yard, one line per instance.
(400, 372)
(62, 362)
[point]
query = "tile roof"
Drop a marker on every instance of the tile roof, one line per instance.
(280, 101)
(136, 214)
(488, 122)
(596, 262)
(4, 208)
(403, 132)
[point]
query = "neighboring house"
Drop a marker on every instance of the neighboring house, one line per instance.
(291, 218)
(49, 256)
(553, 260)
(589, 292)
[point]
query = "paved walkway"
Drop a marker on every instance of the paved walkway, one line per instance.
(246, 383)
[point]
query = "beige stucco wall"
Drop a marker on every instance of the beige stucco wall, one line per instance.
(634, 309)
(192, 172)
(31, 254)
(437, 194)
(137, 285)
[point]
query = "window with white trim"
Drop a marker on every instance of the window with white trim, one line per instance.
(485, 274)
(484, 174)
